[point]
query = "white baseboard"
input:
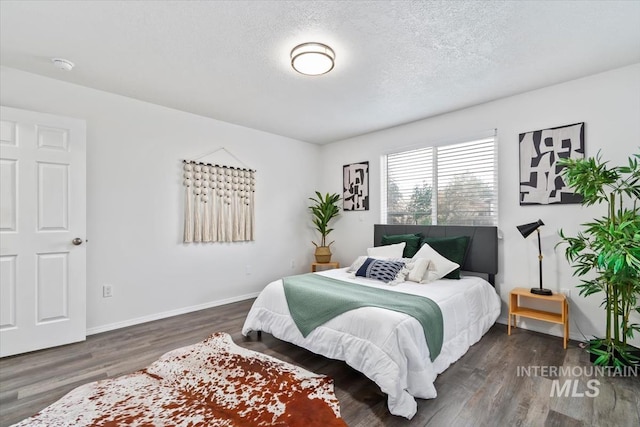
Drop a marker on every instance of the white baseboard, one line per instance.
(171, 313)
(543, 328)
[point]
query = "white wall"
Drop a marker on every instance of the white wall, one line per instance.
(135, 195)
(609, 103)
(135, 202)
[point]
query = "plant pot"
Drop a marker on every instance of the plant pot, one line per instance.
(323, 254)
(633, 351)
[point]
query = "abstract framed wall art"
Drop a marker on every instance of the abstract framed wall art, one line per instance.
(355, 187)
(541, 182)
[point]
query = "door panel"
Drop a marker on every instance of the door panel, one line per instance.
(7, 292)
(53, 197)
(43, 275)
(8, 194)
(52, 138)
(53, 286)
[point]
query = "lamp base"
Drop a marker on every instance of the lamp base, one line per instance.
(541, 291)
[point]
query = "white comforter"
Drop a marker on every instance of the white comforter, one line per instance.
(387, 346)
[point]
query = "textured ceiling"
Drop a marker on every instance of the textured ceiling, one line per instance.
(396, 62)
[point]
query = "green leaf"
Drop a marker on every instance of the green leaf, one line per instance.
(323, 209)
(597, 351)
(607, 249)
(602, 360)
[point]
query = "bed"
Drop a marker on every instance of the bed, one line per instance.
(390, 347)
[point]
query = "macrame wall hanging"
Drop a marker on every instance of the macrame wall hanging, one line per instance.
(219, 202)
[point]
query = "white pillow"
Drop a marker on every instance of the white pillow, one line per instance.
(390, 251)
(357, 264)
(418, 268)
(441, 265)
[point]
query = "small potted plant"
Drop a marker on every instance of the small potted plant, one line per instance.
(607, 251)
(323, 210)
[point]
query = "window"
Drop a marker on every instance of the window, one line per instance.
(448, 185)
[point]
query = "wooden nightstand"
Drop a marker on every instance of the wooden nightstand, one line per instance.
(328, 265)
(516, 310)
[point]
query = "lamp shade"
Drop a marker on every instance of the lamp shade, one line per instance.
(527, 229)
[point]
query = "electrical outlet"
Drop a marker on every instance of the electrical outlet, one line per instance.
(247, 269)
(566, 292)
(293, 264)
(107, 291)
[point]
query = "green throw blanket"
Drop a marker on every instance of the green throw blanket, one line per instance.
(314, 299)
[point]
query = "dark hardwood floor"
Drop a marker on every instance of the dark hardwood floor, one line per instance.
(481, 389)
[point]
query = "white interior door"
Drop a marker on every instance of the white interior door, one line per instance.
(42, 211)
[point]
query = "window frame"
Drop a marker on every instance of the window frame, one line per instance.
(476, 137)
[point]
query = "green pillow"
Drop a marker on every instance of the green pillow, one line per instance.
(452, 248)
(412, 243)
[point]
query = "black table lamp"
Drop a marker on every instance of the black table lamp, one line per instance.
(526, 230)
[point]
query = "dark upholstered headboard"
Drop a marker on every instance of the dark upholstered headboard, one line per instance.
(482, 256)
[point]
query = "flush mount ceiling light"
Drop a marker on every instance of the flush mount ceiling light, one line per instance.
(63, 64)
(312, 59)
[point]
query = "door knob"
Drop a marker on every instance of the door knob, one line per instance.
(77, 241)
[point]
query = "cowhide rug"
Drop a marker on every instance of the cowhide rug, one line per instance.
(212, 383)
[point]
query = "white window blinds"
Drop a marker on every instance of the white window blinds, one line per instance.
(448, 185)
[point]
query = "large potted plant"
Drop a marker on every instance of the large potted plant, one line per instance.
(606, 252)
(324, 209)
